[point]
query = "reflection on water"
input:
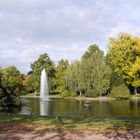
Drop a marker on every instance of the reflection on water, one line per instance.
(71, 107)
(44, 105)
(25, 110)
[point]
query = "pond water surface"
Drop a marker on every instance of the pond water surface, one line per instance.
(76, 108)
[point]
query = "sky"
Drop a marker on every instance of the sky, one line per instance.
(61, 28)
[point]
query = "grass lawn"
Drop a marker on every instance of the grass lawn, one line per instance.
(14, 127)
(72, 124)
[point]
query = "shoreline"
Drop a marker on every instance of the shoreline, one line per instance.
(81, 98)
(77, 98)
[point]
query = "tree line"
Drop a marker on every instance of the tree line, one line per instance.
(115, 74)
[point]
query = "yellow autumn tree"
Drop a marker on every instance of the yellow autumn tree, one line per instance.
(124, 56)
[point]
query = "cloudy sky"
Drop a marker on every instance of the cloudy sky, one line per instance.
(61, 28)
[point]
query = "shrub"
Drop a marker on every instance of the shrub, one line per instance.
(73, 94)
(91, 94)
(65, 93)
(120, 91)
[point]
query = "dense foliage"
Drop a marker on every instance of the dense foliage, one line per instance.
(96, 74)
(33, 79)
(120, 91)
(60, 78)
(90, 76)
(10, 87)
(124, 56)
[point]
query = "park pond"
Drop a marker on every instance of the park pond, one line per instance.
(77, 108)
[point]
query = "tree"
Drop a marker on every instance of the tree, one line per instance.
(124, 56)
(10, 87)
(91, 75)
(71, 78)
(33, 82)
(97, 73)
(92, 50)
(60, 75)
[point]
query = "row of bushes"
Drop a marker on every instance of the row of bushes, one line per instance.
(120, 91)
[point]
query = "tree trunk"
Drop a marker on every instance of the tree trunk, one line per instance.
(135, 90)
(80, 93)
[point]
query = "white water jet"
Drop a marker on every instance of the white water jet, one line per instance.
(44, 90)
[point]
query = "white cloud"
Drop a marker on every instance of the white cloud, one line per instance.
(60, 28)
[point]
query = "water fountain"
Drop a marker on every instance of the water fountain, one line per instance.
(44, 85)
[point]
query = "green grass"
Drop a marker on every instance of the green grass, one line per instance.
(75, 124)
(30, 94)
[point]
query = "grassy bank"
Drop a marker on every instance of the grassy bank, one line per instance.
(105, 98)
(72, 124)
(32, 95)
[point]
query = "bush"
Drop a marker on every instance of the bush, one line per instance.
(91, 94)
(120, 91)
(73, 94)
(65, 93)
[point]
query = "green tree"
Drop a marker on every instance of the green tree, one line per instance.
(91, 75)
(60, 75)
(92, 51)
(96, 72)
(124, 56)
(10, 87)
(71, 78)
(37, 66)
